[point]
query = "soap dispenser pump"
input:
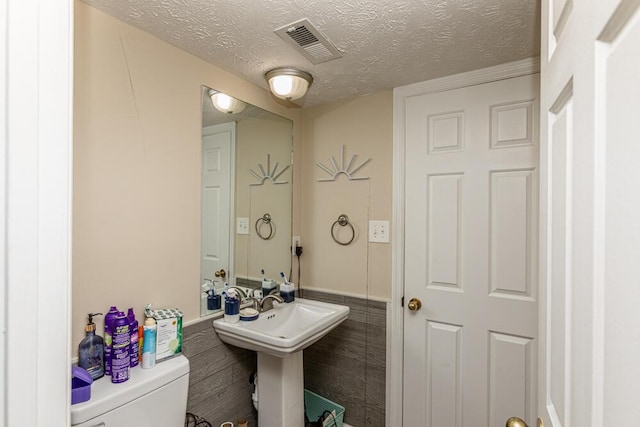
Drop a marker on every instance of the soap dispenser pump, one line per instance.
(91, 350)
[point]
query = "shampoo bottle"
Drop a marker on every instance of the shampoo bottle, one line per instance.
(133, 330)
(108, 341)
(149, 343)
(120, 359)
(91, 350)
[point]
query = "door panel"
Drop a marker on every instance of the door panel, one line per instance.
(589, 258)
(444, 260)
(512, 231)
(511, 377)
(621, 89)
(471, 254)
(444, 376)
(559, 294)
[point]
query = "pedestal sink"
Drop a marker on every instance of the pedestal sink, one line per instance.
(279, 336)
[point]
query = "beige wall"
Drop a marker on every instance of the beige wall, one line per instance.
(136, 207)
(364, 126)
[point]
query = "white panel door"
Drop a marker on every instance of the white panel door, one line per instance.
(217, 177)
(471, 184)
(590, 238)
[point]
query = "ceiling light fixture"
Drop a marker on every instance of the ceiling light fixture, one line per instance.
(225, 103)
(288, 83)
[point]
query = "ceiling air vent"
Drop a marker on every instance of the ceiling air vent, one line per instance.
(308, 41)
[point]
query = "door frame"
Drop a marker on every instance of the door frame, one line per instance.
(36, 148)
(400, 94)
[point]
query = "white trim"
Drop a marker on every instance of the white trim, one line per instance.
(3, 207)
(486, 75)
(395, 320)
(388, 397)
(37, 143)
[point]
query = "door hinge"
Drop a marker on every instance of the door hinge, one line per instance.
(402, 302)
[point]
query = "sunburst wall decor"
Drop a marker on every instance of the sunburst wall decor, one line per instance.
(270, 174)
(349, 170)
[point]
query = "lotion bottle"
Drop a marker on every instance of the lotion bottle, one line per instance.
(91, 350)
(149, 343)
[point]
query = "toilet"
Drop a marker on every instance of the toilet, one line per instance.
(150, 397)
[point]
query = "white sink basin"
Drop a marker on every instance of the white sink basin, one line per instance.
(288, 328)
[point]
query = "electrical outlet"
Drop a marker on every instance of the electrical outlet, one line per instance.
(295, 242)
(242, 226)
(379, 231)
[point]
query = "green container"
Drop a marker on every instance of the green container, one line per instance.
(315, 405)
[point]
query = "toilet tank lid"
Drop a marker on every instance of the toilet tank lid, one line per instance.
(106, 396)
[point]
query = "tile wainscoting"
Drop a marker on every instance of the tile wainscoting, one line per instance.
(219, 388)
(347, 366)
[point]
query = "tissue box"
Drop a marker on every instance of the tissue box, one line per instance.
(169, 336)
(80, 385)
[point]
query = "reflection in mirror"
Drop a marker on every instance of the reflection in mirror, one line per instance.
(246, 192)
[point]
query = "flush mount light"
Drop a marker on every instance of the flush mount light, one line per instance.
(225, 103)
(288, 83)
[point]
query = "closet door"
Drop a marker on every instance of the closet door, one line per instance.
(471, 228)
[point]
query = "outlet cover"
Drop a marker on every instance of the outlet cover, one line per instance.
(379, 231)
(242, 225)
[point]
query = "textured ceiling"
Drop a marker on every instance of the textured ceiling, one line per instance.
(385, 43)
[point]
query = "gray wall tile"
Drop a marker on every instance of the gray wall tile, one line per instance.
(348, 365)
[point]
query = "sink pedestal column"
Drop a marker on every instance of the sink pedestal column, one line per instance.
(280, 390)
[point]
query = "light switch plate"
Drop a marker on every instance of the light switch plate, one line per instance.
(242, 225)
(379, 231)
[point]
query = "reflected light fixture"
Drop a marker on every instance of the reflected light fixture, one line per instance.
(225, 103)
(288, 83)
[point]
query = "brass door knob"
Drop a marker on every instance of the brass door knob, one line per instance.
(516, 422)
(221, 273)
(414, 304)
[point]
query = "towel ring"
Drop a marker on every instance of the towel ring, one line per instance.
(343, 221)
(266, 219)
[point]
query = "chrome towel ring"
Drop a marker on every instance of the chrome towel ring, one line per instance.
(342, 221)
(266, 219)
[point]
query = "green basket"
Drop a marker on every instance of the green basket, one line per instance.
(315, 405)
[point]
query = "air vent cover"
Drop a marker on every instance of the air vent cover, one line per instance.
(307, 40)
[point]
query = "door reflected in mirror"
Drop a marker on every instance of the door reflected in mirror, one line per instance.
(246, 193)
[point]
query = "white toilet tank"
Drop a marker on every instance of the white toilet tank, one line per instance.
(151, 397)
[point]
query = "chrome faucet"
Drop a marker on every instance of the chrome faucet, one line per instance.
(255, 303)
(273, 297)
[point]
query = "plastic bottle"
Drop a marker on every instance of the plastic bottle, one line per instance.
(108, 339)
(91, 350)
(140, 342)
(133, 330)
(120, 358)
(149, 344)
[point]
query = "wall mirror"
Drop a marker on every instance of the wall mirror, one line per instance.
(246, 193)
